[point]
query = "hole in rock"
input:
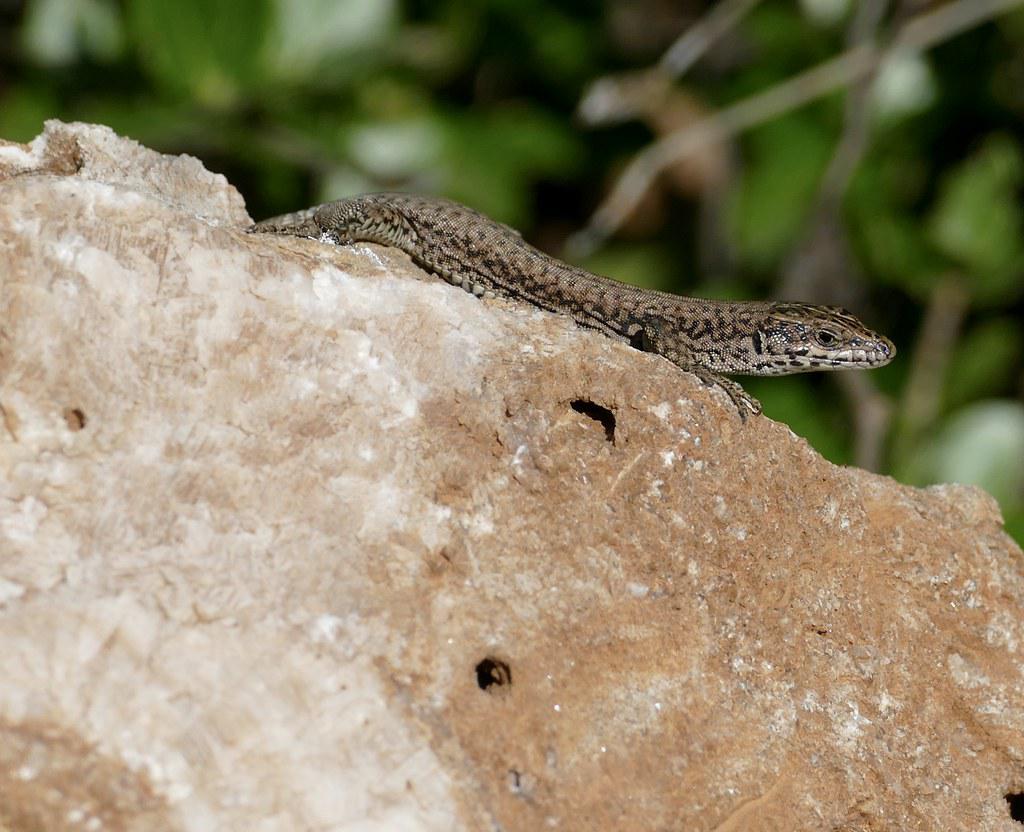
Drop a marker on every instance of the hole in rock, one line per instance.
(1016, 803)
(493, 673)
(75, 418)
(602, 415)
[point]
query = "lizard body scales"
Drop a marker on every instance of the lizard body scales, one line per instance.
(706, 337)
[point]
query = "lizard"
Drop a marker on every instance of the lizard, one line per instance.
(708, 338)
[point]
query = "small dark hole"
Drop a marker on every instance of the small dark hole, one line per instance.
(493, 672)
(517, 783)
(75, 418)
(602, 415)
(1016, 802)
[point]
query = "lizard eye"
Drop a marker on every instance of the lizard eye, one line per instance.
(825, 338)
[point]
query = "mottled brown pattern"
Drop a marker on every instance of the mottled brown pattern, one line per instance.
(704, 337)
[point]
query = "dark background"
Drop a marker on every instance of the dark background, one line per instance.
(898, 193)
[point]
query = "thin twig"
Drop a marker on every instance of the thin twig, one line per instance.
(922, 32)
(853, 142)
(922, 394)
(696, 40)
(872, 416)
(824, 254)
(614, 98)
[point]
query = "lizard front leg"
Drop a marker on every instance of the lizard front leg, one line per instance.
(648, 339)
(743, 401)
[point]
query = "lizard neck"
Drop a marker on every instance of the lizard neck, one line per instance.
(719, 336)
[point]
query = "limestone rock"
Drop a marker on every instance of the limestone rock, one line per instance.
(297, 537)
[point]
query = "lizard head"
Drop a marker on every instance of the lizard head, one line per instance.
(797, 337)
(372, 218)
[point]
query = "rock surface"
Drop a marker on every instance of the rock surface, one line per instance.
(294, 537)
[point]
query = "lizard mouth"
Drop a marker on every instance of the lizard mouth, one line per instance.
(870, 354)
(879, 353)
(875, 353)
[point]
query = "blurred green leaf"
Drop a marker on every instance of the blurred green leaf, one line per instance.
(310, 35)
(904, 85)
(982, 444)
(159, 124)
(397, 150)
(1013, 24)
(1013, 519)
(562, 44)
(783, 38)
(538, 141)
(894, 247)
(785, 161)
(58, 32)
(985, 361)
(826, 13)
(490, 160)
(210, 50)
(978, 221)
(23, 111)
(803, 403)
(651, 266)
(888, 234)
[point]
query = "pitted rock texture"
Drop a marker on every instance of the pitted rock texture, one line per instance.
(297, 537)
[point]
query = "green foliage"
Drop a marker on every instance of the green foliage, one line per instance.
(489, 161)
(24, 110)
(982, 444)
(984, 361)
(319, 42)
(207, 50)
(978, 221)
(786, 159)
(882, 206)
(58, 32)
(785, 42)
(808, 407)
(649, 266)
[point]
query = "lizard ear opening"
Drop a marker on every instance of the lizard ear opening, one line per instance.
(640, 340)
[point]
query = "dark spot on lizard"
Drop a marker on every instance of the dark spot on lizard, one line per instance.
(491, 673)
(640, 340)
(602, 415)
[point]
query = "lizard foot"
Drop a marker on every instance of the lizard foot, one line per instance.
(744, 402)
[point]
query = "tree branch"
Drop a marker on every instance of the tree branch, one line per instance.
(922, 32)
